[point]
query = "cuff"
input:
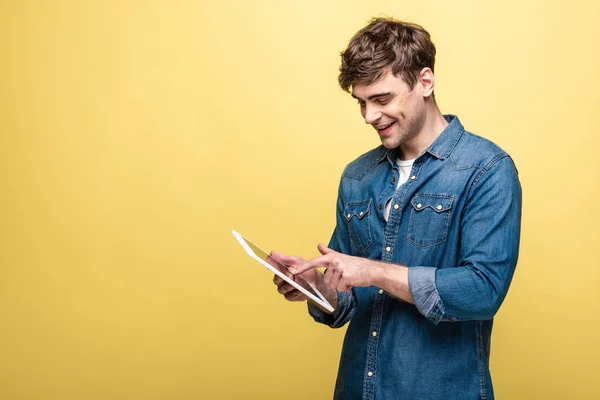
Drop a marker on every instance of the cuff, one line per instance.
(342, 314)
(421, 281)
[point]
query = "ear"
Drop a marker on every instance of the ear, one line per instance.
(426, 81)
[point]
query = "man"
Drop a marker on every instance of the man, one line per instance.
(427, 234)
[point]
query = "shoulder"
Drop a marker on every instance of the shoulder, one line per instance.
(473, 151)
(490, 162)
(363, 164)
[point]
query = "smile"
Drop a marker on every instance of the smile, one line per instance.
(385, 128)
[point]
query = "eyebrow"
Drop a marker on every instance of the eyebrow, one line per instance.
(374, 96)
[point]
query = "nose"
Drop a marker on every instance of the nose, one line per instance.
(371, 114)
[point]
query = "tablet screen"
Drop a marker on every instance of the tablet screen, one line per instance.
(280, 269)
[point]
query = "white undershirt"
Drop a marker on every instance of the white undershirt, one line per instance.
(404, 167)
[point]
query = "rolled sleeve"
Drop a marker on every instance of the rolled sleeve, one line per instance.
(421, 281)
(342, 314)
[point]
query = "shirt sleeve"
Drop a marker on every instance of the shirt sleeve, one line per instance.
(342, 314)
(490, 234)
(340, 242)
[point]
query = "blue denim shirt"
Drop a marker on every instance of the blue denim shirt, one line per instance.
(456, 224)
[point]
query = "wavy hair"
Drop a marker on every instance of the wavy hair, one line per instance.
(385, 43)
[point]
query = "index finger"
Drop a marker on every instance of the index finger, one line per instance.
(310, 264)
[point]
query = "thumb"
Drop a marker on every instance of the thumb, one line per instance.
(290, 261)
(280, 257)
(277, 255)
(324, 249)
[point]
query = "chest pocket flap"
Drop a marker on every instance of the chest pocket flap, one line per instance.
(358, 210)
(438, 203)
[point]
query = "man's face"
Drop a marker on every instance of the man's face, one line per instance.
(396, 111)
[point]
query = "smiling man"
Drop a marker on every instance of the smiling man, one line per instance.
(427, 234)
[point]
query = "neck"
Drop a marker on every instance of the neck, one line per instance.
(434, 123)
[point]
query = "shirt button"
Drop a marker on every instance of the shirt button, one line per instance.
(418, 206)
(396, 206)
(380, 291)
(362, 213)
(374, 334)
(413, 177)
(348, 216)
(388, 249)
(439, 207)
(370, 373)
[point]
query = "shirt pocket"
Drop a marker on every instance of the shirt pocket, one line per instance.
(429, 219)
(358, 220)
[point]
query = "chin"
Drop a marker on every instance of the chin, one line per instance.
(390, 143)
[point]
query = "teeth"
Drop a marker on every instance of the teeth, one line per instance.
(385, 126)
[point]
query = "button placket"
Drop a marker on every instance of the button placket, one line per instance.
(392, 227)
(389, 241)
(373, 343)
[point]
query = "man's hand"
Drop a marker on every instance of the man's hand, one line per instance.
(288, 291)
(312, 276)
(343, 271)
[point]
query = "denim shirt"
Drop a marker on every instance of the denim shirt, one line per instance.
(456, 225)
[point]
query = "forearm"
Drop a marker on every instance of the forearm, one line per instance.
(393, 279)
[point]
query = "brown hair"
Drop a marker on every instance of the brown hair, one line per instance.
(403, 47)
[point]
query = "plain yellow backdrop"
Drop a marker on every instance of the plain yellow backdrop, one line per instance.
(134, 135)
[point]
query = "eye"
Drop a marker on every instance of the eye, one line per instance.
(361, 103)
(383, 101)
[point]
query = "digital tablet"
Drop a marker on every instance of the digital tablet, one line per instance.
(282, 271)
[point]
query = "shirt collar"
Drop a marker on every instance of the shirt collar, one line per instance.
(444, 144)
(441, 147)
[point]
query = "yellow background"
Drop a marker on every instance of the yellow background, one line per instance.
(134, 135)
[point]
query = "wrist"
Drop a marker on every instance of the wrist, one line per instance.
(379, 274)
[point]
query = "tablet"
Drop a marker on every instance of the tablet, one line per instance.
(282, 271)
